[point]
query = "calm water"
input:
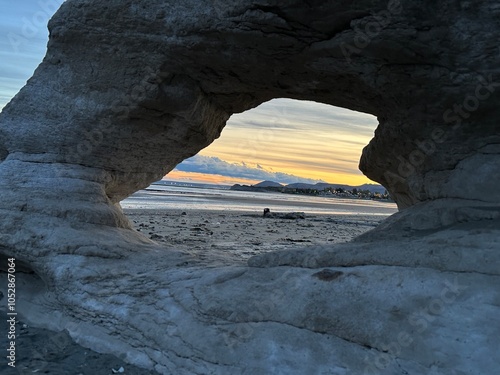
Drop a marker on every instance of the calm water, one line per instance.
(185, 198)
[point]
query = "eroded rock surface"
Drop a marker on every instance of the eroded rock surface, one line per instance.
(128, 89)
(361, 313)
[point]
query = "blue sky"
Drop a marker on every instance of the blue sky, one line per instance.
(285, 140)
(23, 41)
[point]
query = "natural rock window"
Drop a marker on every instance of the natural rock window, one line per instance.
(129, 89)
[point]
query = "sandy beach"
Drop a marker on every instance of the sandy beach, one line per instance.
(238, 235)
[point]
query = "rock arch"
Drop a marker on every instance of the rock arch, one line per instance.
(130, 88)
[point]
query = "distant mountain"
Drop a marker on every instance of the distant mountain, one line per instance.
(324, 185)
(247, 188)
(265, 184)
(318, 186)
(374, 188)
(300, 185)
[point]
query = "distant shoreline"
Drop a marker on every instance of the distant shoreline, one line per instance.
(372, 192)
(168, 198)
(263, 190)
(341, 193)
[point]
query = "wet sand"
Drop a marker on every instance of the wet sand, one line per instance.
(238, 235)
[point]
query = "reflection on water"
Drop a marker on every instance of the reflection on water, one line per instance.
(185, 198)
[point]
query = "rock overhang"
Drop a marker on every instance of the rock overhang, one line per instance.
(116, 105)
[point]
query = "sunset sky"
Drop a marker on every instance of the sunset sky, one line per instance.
(282, 140)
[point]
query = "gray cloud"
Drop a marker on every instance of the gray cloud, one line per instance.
(305, 116)
(23, 40)
(215, 165)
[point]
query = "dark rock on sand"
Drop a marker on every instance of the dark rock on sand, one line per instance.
(283, 215)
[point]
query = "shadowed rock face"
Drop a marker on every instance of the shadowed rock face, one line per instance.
(128, 89)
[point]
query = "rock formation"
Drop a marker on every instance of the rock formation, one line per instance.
(128, 89)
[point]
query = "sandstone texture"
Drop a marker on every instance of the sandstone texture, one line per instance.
(128, 89)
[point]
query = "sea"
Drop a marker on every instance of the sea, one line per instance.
(184, 198)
